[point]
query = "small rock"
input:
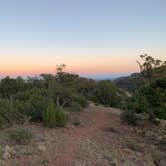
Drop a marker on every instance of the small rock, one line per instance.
(6, 156)
(8, 152)
(163, 123)
(42, 147)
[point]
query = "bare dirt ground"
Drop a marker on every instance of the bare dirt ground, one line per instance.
(101, 139)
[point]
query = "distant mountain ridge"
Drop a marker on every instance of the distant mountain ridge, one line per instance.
(129, 83)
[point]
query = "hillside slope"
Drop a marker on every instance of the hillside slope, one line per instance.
(129, 83)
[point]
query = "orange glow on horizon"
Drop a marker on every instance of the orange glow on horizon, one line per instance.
(95, 69)
(29, 64)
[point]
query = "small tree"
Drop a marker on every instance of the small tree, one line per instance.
(61, 117)
(148, 65)
(49, 116)
(54, 116)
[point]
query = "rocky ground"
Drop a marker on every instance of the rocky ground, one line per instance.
(95, 137)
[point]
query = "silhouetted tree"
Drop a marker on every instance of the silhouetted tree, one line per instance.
(148, 66)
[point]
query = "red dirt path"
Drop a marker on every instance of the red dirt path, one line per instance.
(100, 119)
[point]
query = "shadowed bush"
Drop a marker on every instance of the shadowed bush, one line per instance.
(107, 93)
(150, 99)
(10, 114)
(129, 117)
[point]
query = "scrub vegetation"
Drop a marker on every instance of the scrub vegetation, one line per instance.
(64, 119)
(49, 98)
(150, 96)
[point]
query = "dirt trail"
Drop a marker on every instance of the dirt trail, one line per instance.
(100, 117)
(101, 140)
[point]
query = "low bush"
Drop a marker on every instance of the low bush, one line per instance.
(150, 99)
(35, 107)
(155, 96)
(61, 117)
(19, 136)
(54, 116)
(49, 118)
(75, 107)
(77, 104)
(81, 101)
(133, 145)
(129, 117)
(9, 113)
(160, 112)
(32, 103)
(106, 94)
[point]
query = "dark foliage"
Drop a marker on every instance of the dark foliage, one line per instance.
(150, 99)
(54, 116)
(154, 98)
(129, 117)
(21, 99)
(150, 96)
(107, 93)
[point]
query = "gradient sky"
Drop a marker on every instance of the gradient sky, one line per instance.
(92, 37)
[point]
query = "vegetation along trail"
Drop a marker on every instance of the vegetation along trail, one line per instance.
(100, 138)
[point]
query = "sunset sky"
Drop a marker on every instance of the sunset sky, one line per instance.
(92, 37)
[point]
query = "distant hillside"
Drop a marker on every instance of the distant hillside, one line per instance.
(129, 83)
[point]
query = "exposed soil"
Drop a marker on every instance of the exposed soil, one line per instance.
(101, 139)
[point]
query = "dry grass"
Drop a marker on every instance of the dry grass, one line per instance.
(100, 140)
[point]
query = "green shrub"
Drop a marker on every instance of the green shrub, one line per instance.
(9, 113)
(129, 117)
(161, 111)
(150, 98)
(32, 103)
(140, 104)
(75, 107)
(19, 136)
(35, 107)
(77, 104)
(107, 93)
(61, 117)
(54, 116)
(81, 101)
(49, 118)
